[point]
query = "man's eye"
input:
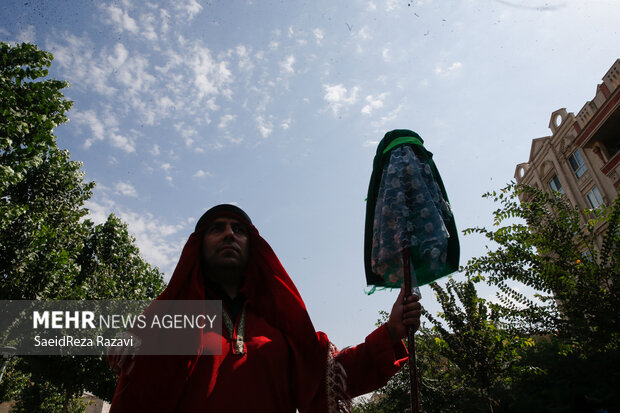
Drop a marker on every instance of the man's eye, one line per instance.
(216, 228)
(239, 229)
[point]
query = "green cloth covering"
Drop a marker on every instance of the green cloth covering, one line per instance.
(423, 271)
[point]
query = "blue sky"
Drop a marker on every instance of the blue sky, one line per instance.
(278, 107)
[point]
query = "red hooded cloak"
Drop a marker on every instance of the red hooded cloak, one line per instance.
(287, 364)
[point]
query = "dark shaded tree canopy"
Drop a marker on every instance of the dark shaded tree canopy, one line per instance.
(48, 250)
(555, 349)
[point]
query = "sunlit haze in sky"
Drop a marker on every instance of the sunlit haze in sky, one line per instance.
(278, 106)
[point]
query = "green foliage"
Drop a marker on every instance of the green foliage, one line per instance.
(47, 398)
(13, 381)
(29, 110)
(555, 254)
(571, 259)
(108, 256)
(557, 382)
(41, 190)
(466, 361)
(555, 352)
(481, 359)
(47, 250)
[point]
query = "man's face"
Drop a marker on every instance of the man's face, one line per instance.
(225, 244)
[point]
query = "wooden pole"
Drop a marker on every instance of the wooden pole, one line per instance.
(413, 371)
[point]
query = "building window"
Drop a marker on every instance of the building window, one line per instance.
(555, 184)
(577, 163)
(594, 197)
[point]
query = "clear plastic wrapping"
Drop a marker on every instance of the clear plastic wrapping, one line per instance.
(410, 213)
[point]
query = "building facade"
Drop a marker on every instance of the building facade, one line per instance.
(581, 158)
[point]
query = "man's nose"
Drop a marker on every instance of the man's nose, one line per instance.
(228, 230)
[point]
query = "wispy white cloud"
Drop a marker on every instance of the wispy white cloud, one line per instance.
(364, 33)
(245, 61)
(73, 54)
(126, 189)
(120, 19)
(338, 96)
(370, 143)
(287, 65)
(285, 124)
(209, 76)
(135, 76)
(151, 24)
(27, 35)
(451, 70)
(102, 127)
(164, 104)
(190, 8)
(386, 55)
(193, 79)
(373, 102)
(265, 128)
(128, 79)
(455, 66)
(225, 121)
(115, 74)
(98, 212)
(122, 142)
(273, 45)
(385, 122)
(148, 27)
(393, 114)
(188, 133)
(392, 5)
(90, 120)
(211, 105)
(164, 16)
(118, 57)
(234, 139)
(319, 35)
(201, 174)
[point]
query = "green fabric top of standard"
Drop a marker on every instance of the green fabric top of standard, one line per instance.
(407, 207)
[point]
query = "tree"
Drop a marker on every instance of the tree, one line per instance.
(466, 361)
(110, 268)
(41, 191)
(439, 383)
(543, 244)
(47, 250)
(111, 265)
(470, 337)
(554, 351)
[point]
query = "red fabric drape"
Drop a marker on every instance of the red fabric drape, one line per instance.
(156, 383)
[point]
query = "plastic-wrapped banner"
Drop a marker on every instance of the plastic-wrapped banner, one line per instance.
(410, 213)
(408, 209)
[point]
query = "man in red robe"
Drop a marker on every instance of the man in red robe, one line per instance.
(273, 360)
